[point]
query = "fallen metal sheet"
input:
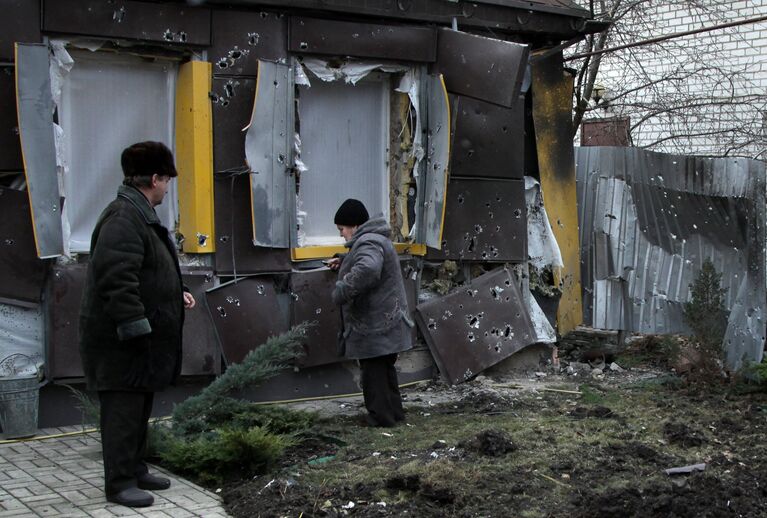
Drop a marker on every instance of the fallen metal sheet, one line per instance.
(365, 40)
(10, 147)
(476, 326)
(232, 104)
(245, 313)
(21, 23)
(553, 19)
(235, 252)
(61, 308)
(155, 22)
(241, 38)
(485, 220)
(649, 220)
(489, 140)
(201, 354)
(337, 379)
(21, 272)
(35, 114)
(482, 68)
(268, 152)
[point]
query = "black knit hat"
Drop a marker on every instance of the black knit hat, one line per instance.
(146, 159)
(351, 213)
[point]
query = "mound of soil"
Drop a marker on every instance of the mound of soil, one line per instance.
(683, 435)
(492, 443)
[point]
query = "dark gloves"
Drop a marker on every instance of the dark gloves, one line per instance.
(139, 374)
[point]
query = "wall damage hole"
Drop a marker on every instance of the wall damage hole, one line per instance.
(478, 229)
(468, 374)
(507, 332)
(496, 292)
(471, 293)
(223, 239)
(517, 213)
(497, 228)
(303, 45)
(229, 88)
(9, 242)
(487, 205)
(495, 332)
(223, 63)
(202, 239)
(498, 347)
(119, 14)
(182, 37)
(472, 244)
(432, 325)
(221, 311)
(318, 311)
(260, 289)
(253, 38)
(484, 255)
(491, 214)
(460, 198)
(494, 251)
(167, 35)
(447, 314)
(233, 300)
(471, 337)
(507, 282)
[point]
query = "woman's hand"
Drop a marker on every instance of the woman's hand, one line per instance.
(188, 300)
(334, 263)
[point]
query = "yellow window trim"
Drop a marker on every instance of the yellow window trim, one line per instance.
(323, 252)
(194, 157)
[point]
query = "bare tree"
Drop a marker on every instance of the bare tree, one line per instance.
(686, 95)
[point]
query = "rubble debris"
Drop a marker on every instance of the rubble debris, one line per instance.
(684, 470)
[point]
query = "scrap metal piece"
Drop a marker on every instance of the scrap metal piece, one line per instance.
(684, 470)
(485, 221)
(476, 326)
(21, 272)
(483, 68)
(241, 38)
(489, 140)
(437, 160)
(268, 152)
(10, 147)
(245, 313)
(310, 301)
(365, 40)
(142, 21)
(35, 115)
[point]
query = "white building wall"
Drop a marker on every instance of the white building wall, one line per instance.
(704, 94)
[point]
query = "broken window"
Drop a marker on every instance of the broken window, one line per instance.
(109, 102)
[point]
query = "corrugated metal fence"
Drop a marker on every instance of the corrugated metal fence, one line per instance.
(649, 220)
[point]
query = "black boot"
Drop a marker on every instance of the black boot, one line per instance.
(152, 482)
(131, 497)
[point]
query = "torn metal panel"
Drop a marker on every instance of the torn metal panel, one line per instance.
(64, 291)
(437, 161)
(268, 152)
(144, 21)
(365, 40)
(21, 23)
(310, 302)
(489, 140)
(245, 313)
(35, 115)
(483, 68)
(21, 272)
(542, 248)
(235, 253)
(485, 221)
(201, 355)
(10, 147)
(476, 326)
(649, 220)
(338, 379)
(241, 38)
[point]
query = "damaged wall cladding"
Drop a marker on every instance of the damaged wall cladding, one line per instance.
(446, 157)
(649, 220)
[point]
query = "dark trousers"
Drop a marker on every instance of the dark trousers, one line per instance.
(381, 390)
(124, 424)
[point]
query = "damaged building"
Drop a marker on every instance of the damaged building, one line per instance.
(450, 118)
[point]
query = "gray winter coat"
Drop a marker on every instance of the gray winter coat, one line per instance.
(371, 293)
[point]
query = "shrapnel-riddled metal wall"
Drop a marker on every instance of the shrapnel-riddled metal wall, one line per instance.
(649, 220)
(231, 86)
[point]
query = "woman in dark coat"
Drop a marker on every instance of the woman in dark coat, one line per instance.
(371, 293)
(131, 318)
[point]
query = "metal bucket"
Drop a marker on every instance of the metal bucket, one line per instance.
(18, 407)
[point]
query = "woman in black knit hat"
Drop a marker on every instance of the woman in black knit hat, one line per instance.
(371, 294)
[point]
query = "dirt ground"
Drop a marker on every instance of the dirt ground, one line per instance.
(528, 447)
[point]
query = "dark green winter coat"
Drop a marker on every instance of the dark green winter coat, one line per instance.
(132, 310)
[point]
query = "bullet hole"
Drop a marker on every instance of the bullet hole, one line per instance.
(517, 213)
(478, 229)
(303, 45)
(507, 282)
(260, 289)
(233, 300)
(496, 292)
(466, 236)
(507, 332)
(444, 244)
(494, 251)
(182, 37)
(223, 63)
(119, 15)
(432, 325)
(492, 216)
(224, 239)
(497, 198)
(235, 53)
(497, 228)
(447, 314)
(229, 89)
(318, 311)
(221, 311)
(224, 103)
(470, 153)
(355, 35)
(486, 333)
(281, 158)
(202, 239)
(474, 322)
(471, 337)
(9, 242)
(294, 295)
(460, 306)
(167, 35)
(472, 244)
(498, 347)
(471, 293)
(484, 255)
(460, 198)
(487, 205)
(264, 15)
(508, 299)
(253, 38)
(213, 97)
(504, 129)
